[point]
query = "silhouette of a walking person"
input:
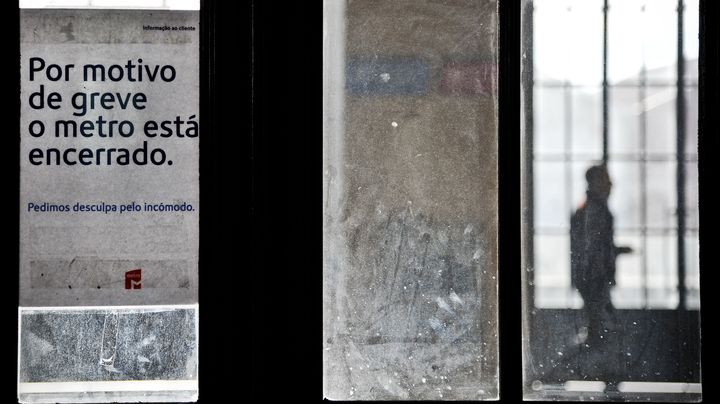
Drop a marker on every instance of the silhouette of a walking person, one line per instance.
(593, 253)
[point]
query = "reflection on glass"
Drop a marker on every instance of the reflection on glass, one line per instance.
(587, 121)
(627, 194)
(551, 53)
(657, 39)
(625, 41)
(639, 40)
(612, 278)
(660, 212)
(579, 184)
(625, 122)
(691, 40)
(660, 284)
(593, 254)
(692, 280)
(551, 209)
(574, 58)
(549, 124)
(552, 288)
(629, 272)
(691, 196)
(585, 64)
(691, 128)
(658, 106)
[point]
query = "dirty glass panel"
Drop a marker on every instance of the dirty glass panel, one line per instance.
(410, 200)
(154, 348)
(611, 289)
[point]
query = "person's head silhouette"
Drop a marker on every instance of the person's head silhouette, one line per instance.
(599, 183)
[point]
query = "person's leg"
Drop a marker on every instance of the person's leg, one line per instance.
(593, 306)
(614, 363)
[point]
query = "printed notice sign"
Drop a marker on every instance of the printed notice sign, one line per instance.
(109, 205)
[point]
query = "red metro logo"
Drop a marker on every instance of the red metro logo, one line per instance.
(133, 279)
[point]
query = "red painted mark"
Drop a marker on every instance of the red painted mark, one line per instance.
(468, 78)
(133, 278)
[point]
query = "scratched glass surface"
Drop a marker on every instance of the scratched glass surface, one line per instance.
(88, 346)
(610, 215)
(410, 200)
(109, 344)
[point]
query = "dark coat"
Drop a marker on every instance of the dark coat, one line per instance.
(592, 250)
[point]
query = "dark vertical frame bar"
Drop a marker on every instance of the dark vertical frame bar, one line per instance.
(528, 162)
(11, 171)
(207, 21)
(286, 196)
(210, 293)
(605, 100)
(709, 215)
(680, 175)
(509, 265)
